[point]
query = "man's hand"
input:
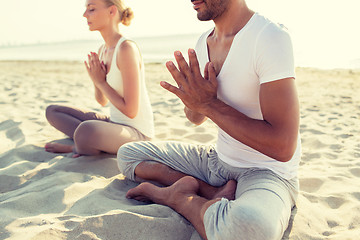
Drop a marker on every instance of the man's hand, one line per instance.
(194, 90)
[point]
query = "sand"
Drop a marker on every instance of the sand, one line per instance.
(53, 196)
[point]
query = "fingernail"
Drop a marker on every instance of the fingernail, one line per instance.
(192, 51)
(178, 53)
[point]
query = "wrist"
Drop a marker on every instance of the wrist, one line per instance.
(100, 84)
(208, 108)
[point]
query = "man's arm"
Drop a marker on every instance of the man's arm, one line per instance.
(194, 117)
(275, 136)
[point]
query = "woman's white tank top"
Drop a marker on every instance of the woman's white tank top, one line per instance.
(144, 120)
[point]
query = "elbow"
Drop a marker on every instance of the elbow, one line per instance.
(285, 152)
(284, 157)
(131, 114)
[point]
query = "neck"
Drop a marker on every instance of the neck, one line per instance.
(234, 18)
(111, 36)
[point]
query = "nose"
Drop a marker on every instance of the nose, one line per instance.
(85, 14)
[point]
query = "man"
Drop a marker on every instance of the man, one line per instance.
(246, 186)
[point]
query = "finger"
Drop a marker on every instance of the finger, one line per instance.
(206, 71)
(194, 63)
(96, 62)
(172, 89)
(95, 59)
(176, 74)
(87, 66)
(95, 56)
(212, 75)
(183, 65)
(90, 61)
(103, 66)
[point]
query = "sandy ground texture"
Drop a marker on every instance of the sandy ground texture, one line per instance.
(53, 196)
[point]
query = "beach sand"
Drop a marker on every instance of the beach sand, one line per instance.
(53, 196)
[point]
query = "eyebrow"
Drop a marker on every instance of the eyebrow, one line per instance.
(90, 4)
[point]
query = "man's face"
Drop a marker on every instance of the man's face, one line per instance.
(209, 9)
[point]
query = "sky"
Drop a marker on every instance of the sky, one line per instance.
(321, 25)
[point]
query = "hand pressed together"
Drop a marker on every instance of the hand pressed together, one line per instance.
(96, 70)
(194, 90)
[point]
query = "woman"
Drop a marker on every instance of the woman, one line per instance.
(117, 72)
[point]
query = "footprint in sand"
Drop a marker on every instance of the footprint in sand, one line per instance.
(9, 183)
(178, 131)
(334, 202)
(327, 233)
(356, 195)
(332, 223)
(201, 138)
(355, 172)
(311, 185)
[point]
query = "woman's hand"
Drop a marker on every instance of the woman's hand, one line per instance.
(95, 69)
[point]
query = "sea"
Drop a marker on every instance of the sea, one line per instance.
(159, 49)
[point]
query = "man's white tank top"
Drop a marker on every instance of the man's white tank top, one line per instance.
(144, 120)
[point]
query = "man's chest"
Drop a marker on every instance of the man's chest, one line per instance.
(218, 52)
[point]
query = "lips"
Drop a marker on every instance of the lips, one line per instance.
(197, 3)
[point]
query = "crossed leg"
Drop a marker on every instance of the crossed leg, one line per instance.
(187, 195)
(166, 176)
(92, 133)
(183, 197)
(261, 210)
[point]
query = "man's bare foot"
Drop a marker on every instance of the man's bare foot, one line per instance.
(146, 191)
(227, 191)
(210, 192)
(58, 148)
(183, 197)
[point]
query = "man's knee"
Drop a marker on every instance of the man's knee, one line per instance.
(249, 223)
(256, 224)
(127, 156)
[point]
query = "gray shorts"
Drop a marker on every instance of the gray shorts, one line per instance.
(263, 203)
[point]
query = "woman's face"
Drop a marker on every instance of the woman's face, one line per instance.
(97, 14)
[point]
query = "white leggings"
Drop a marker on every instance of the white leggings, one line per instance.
(92, 132)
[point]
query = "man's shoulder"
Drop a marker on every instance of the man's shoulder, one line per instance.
(268, 26)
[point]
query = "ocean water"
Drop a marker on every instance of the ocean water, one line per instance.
(154, 49)
(160, 49)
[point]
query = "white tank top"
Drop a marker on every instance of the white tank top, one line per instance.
(144, 120)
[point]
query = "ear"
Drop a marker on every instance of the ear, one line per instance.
(113, 10)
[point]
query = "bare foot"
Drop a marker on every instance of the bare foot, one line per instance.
(76, 155)
(148, 192)
(58, 148)
(227, 191)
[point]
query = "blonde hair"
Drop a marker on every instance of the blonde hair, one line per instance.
(126, 14)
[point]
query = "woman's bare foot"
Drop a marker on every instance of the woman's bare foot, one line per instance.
(58, 148)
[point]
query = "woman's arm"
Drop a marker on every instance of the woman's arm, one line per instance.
(128, 60)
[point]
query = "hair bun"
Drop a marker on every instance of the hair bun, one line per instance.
(126, 16)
